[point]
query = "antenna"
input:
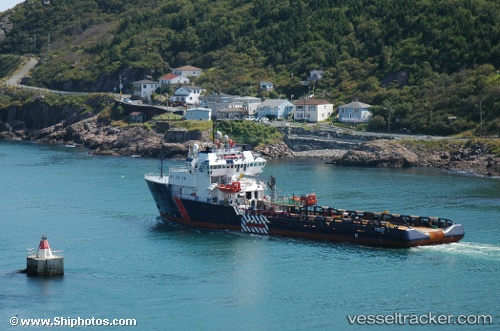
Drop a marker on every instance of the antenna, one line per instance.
(161, 161)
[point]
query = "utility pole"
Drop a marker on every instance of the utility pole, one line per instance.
(121, 85)
(48, 47)
(389, 110)
(481, 114)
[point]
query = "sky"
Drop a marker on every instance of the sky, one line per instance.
(7, 4)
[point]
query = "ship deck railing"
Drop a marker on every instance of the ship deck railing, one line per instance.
(156, 177)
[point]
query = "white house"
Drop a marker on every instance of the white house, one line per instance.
(312, 110)
(199, 114)
(250, 104)
(266, 86)
(218, 101)
(173, 79)
(187, 95)
(143, 88)
(315, 75)
(354, 112)
(277, 108)
(187, 71)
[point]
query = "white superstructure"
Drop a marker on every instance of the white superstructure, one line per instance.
(223, 174)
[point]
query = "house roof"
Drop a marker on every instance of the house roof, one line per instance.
(356, 105)
(311, 102)
(170, 76)
(200, 109)
(231, 110)
(187, 68)
(186, 89)
(219, 94)
(247, 98)
(272, 103)
(136, 113)
(145, 81)
(190, 88)
(266, 83)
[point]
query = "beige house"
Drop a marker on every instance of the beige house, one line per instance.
(187, 71)
(312, 110)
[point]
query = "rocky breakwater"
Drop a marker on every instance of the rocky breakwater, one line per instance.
(456, 157)
(102, 139)
(275, 151)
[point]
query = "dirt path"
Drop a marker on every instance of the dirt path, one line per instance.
(19, 74)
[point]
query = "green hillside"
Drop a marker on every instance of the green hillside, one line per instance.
(8, 64)
(429, 62)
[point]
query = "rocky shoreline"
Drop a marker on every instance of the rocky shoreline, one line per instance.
(472, 160)
(103, 139)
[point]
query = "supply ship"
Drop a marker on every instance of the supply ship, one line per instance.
(219, 188)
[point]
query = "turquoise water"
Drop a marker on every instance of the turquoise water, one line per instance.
(120, 262)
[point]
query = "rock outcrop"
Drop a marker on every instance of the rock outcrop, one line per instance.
(473, 159)
(380, 153)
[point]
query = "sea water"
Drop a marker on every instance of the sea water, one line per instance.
(122, 263)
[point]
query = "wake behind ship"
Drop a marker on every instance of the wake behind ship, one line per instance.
(219, 188)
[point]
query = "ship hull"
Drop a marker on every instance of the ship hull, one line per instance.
(195, 213)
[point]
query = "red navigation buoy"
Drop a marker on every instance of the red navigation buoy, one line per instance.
(45, 261)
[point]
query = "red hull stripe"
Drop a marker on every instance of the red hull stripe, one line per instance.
(181, 208)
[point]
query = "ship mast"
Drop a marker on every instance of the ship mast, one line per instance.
(161, 161)
(214, 129)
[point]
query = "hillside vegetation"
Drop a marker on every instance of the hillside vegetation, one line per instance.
(430, 66)
(8, 64)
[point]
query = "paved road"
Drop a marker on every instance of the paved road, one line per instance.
(18, 75)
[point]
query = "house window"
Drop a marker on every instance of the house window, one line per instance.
(144, 86)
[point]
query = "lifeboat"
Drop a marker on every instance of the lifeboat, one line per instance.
(234, 187)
